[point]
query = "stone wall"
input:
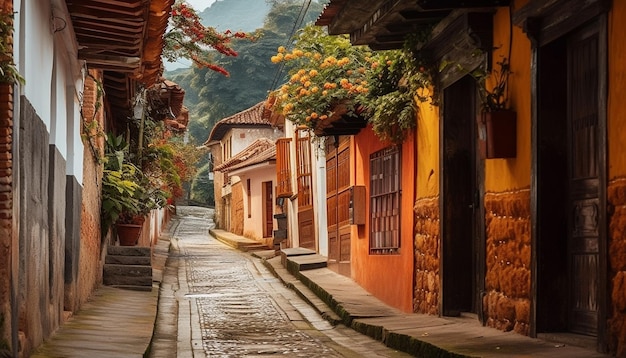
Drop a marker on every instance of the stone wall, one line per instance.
(617, 266)
(40, 295)
(236, 215)
(507, 281)
(426, 294)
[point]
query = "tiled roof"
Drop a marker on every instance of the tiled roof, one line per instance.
(260, 151)
(251, 117)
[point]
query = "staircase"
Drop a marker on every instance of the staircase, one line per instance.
(128, 267)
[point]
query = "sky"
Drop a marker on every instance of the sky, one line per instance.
(200, 5)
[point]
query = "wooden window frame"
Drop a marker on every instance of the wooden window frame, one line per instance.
(283, 168)
(304, 175)
(385, 194)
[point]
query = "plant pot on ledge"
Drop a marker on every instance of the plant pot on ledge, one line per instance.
(128, 234)
(497, 133)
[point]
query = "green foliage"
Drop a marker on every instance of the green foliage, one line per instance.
(329, 76)
(496, 98)
(8, 70)
(326, 70)
(126, 190)
(202, 186)
(230, 14)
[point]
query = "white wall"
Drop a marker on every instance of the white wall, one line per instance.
(253, 225)
(319, 195)
(243, 137)
(45, 53)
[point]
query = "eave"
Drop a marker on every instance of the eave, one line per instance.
(385, 24)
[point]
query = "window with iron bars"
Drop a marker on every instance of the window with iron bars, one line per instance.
(385, 201)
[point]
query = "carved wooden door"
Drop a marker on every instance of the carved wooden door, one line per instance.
(583, 164)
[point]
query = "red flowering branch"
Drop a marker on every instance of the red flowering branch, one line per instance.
(188, 38)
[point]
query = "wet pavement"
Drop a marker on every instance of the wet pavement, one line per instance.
(231, 305)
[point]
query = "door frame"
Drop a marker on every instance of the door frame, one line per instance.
(540, 37)
(477, 216)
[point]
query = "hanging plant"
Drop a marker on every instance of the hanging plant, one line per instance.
(330, 77)
(8, 70)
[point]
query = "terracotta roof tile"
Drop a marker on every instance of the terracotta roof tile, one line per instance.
(251, 117)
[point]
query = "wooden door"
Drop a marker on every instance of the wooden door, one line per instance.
(268, 214)
(304, 178)
(338, 203)
(583, 181)
(461, 248)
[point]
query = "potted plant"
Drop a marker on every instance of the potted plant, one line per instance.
(497, 124)
(128, 195)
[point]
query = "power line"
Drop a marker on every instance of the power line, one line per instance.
(296, 25)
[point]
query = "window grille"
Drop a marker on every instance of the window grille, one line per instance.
(385, 201)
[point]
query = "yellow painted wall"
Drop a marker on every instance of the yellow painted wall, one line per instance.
(427, 180)
(616, 121)
(509, 174)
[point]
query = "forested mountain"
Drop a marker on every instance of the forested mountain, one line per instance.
(236, 15)
(211, 96)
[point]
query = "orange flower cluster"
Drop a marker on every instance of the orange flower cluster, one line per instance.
(318, 82)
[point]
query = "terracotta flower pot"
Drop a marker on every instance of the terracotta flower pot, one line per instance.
(128, 234)
(497, 132)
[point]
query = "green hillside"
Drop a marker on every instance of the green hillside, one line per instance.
(236, 15)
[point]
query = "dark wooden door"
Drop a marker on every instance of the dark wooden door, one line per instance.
(269, 209)
(583, 178)
(460, 205)
(338, 204)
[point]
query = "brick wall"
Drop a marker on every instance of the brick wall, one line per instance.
(6, 213)
(426, 294)
(90, 254)
(617, 266)
(507, 300)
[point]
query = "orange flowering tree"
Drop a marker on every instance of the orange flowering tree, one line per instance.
(188, 38)
(329, 76)
(325, 71)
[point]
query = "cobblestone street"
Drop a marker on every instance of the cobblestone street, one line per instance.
(230, 305)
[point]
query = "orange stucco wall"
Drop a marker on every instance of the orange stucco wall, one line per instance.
(388, 277)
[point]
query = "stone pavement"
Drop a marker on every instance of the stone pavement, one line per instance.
(340, 299)
(115, 322)
(120, 323)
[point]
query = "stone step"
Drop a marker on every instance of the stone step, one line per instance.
(129, 251)
(305, 262)
(134, 287)
(254, 247)
(128, 260)
(135, 275)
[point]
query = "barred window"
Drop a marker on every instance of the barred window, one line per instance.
(385, 201)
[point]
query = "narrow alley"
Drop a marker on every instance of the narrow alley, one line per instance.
(228, 304)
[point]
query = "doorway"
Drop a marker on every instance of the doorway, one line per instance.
(462, 223)
(570, 149)
(268, 209)
(338, 203)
